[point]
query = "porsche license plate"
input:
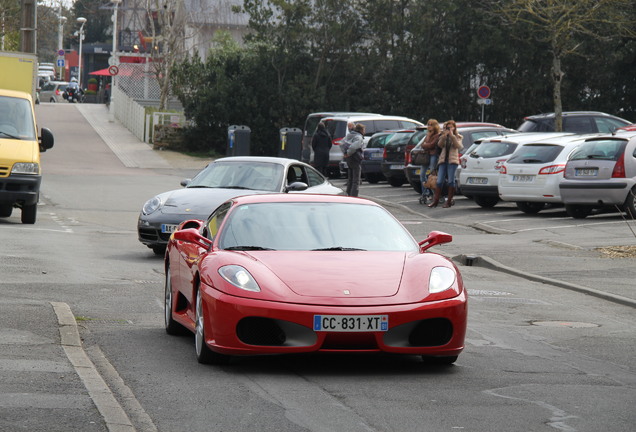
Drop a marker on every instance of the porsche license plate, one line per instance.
(168, 228)
(351, 323)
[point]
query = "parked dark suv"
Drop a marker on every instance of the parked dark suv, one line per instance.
(581, 122)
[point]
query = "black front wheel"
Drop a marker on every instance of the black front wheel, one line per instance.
(529, 207)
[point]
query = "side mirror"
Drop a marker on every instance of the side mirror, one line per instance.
(191, 235)
(185, 182)
(435, 238)
(296, 187)
(46, 139)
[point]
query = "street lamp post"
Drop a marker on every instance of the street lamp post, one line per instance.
(60, 40)
(113, 56)
(82, 21)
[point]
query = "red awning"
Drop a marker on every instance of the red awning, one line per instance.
(103, 72)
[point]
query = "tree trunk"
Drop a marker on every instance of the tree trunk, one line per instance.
(557, 77)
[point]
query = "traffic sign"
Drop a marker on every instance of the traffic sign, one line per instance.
(61, 53)
(483, 92)
(113, 70)
(60, 63)
(112, 61)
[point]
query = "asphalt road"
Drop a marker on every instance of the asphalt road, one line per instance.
(538, 357)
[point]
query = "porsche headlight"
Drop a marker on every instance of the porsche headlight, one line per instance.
(152, 205)
(239, 277)
(25, 168)
(441, 279)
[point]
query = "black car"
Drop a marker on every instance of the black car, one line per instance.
(394, 156)
(581, 122)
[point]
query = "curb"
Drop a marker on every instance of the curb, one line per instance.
(489, 263)
(113, 414)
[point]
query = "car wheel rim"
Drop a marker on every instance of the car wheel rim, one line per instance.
(198, 334)
(168, 299)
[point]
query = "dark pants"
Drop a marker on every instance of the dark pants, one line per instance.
(354, 170)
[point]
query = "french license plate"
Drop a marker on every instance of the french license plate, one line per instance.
(168, 228)
(522, 178)
(376, 156)
(351, 323)
(396, 167)
(587, 172)
(477, 180)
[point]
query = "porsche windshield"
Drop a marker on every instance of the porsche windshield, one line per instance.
(240, 175)
(314, 226)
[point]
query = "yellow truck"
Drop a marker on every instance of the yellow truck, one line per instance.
(20, 145)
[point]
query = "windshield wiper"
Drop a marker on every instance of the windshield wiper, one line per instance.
(9, 135)
(219, 187)
(593, 156)
(248, 248)
(338, 248)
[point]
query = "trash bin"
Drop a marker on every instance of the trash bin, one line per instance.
(291, 143)
(238, 141)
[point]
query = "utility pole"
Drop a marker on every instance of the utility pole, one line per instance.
(28, 27)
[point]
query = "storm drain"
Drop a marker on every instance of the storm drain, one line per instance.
(568, 324)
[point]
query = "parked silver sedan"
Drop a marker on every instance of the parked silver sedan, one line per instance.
(601, 173)
(221, 180)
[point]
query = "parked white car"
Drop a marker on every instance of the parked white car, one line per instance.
(530, 177)
(479, 176)
(601, 173)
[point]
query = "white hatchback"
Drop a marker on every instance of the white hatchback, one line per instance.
(479, 176)
(530, 177)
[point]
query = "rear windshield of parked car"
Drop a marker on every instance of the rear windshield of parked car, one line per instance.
(535, 154)
(493, 149)
(602, 149)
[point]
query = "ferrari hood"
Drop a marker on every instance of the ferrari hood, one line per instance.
(198, 203)
(344, 274)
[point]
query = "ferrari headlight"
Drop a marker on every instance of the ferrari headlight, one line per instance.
(239, 277)
(25, 168)
(151, 205)
(441, 279)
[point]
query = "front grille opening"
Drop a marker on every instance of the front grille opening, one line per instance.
(431, 332)
(350, 341)
(260, 331)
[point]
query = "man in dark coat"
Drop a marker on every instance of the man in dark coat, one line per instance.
(321, 144)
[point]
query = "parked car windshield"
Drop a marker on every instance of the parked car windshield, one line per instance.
(492, 149)
(379, 141)
(314, 226)
(240, 175)
(607, 149)
(535, 153)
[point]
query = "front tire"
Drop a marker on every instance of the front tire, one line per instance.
(29, 214)
(529, 207)
(172, 327)
(6, 210)
(204, 354)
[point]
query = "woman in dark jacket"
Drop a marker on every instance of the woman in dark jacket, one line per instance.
(321, 144)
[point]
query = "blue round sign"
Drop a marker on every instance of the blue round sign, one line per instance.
(483, 92)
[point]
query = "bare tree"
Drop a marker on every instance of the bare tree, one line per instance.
(563, 24)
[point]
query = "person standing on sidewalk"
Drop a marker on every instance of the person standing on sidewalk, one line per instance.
(354, 144)
(450, 142)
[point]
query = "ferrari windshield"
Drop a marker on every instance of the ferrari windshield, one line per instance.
(252, 175)
(314, 226)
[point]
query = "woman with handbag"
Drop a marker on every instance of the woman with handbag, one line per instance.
(450, 141)
(429, 145)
